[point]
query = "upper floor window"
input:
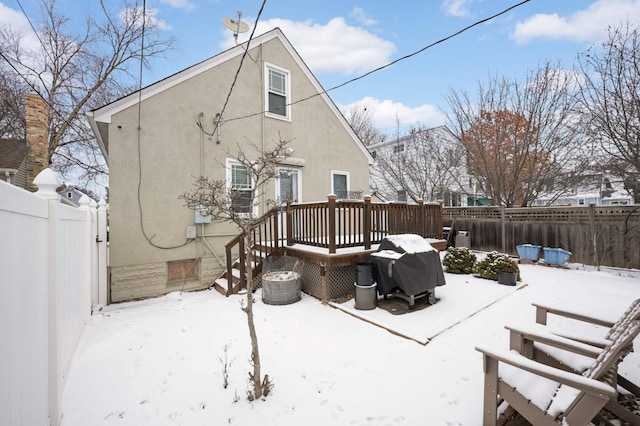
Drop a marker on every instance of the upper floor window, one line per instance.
(397, 149)
(278, 96)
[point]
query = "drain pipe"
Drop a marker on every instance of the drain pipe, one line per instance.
(206, 243)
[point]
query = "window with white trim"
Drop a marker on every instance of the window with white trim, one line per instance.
(340, 184)
(241, 188)
(278, 88)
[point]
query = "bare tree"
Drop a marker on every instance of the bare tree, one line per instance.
(360, 118)
(213, 198)
(610, 103)
(12, 114)
(426, 164)
(522, 138)
(79, 67)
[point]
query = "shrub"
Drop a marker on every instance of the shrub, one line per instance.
(459, 260)
(495, 261)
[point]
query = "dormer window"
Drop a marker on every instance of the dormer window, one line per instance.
(277, 96)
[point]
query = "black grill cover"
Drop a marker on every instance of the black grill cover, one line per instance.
(406, 262)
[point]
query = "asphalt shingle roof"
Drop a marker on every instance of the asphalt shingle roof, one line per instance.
(12, 153)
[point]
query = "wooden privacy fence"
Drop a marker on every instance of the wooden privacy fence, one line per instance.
(595, 235)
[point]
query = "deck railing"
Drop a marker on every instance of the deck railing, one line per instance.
(339, 224)
(334, 224)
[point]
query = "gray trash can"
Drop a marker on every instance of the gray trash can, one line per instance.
(366, 289)
(463, 239)
(366, 297)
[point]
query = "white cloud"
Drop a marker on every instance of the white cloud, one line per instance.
(361, 16)
(585, 25)
(126, 15)
(179, 4)
(387, 115)
(334, 47)
(14, 18)
(456, 7)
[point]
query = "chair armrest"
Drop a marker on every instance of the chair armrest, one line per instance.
(539, 333)
(573, 380)
(542, 312)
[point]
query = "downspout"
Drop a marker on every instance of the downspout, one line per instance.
(263, 106)
(203, 236)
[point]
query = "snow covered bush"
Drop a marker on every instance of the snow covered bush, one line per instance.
(493, 263)
(459, 260)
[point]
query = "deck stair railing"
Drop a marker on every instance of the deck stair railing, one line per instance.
(332, 224)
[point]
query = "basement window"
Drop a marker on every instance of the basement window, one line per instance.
(182, 270)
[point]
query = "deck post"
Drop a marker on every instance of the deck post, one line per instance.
(276, 233)
(422, 219)
(331, 207)
(366, 221)
(242, 266)
(440, 221)
(229, 269)
(289, 224)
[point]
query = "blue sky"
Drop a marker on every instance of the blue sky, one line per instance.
(342, 39)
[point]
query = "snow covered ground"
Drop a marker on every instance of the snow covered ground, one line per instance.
(160, 361)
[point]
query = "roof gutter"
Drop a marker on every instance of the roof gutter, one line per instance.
(98, 135)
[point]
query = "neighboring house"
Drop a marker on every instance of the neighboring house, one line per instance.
(70, 195)
(22, 160)
(427, 164)
(158, 140)
(595, 189)
(13, 161)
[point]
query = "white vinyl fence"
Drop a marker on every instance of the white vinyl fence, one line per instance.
(52, 271)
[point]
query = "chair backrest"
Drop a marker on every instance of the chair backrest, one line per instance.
(632, 313)
(604, 369)
(611, 355)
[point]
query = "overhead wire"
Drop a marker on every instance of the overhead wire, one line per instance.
(429, 46)
(139, 130)
(235, 78)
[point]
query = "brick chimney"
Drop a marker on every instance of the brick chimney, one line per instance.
(37, 135)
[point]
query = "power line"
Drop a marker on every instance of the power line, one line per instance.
(457, 33)
(235, 78)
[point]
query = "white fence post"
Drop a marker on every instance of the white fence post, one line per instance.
(47, 183)
(103, 253)
(93, 208)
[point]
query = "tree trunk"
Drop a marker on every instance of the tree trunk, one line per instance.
(255, 351)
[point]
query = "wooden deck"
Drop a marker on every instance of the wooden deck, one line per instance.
(331, 235)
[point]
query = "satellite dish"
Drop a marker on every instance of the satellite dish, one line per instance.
(236, 25)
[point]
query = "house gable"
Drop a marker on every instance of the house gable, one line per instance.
(100, 118)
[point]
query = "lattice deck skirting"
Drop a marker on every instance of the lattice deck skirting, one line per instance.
(325, 284)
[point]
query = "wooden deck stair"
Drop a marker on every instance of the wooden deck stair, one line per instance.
(237, 282)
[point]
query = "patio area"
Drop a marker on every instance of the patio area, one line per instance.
(161, 361)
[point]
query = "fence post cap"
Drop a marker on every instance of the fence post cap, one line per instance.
(84, 201)
(47, 182)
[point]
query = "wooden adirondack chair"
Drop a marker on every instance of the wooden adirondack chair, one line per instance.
(573, 352)
(546, 395)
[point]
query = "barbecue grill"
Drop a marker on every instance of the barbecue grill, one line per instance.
(407, 266)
